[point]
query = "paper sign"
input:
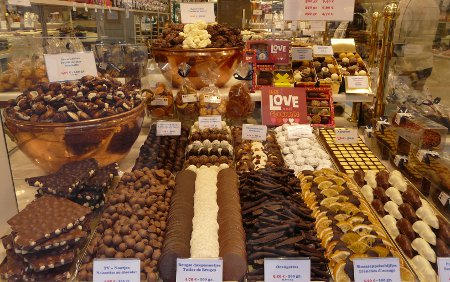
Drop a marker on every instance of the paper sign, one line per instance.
(346, 135)
(268, 16)
(443, 198)
(323, 10)
(257, 12)
(283, 105)
(317, 25)
(213, 99)
(167, 128)
(292, 270)
(3, 25)
(398, 117)
(443, 269)
(254, 132)
(207, 270)
(15, 25)
(70, 66)
(189, 98)
(299, 131)
(322, 50)
(377, 270)
(193, 12)
(116, 270)
(20, 2)
(357, 82)
(301, 54)
(160, 101)
(210, 122)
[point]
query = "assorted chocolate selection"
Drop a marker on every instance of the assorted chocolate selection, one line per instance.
(420, 233)
(89, 98)
(134, 222)
(351, 64)
(44, 240)
(277, 222)
(162, 152)
(344, 223)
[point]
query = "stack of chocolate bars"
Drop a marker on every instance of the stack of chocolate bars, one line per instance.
(82, 182)
(44, 240)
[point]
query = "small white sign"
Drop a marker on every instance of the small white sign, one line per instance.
(292, 270)
(168, 128)
(399, 158)
(254, 132)
(213, 99)
(189, 98)
(443, 198)
(20, 2)
(3, 25)
(317, 25)
(193, 12)
(15, 25)
(268, 16)
(70, 66)
(443, 269)
(299, 131)
(214, 122)
(398, 117)
(377, 269)
(208, 270)
(422, 153)
(257, 12)
(322, 50)
(326, 10)
(301, 54)
(357, 82)
(346, 135)
(117, 270)
(159, 101)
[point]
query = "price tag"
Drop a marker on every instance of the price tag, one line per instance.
(116, 270)
(346, 136)
(257, 12)
(214, 122)
(357, 82)
(317, 25)
(189, 98)
(422, 153)
(213, 99)
(15, 25)
(443, 198)
(209, 270)
(443, 269)
(70, 66)
(301, 54)
(377, 269)
(299, 131)
(398, 159)
(268, 16)
(254, 132)
(398, 117)
(193, 12)
(322, 50)
(167, 128)
(160, 101)
(20, 2)
(292, 270)
(3, 25)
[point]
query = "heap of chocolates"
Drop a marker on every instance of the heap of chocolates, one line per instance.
(86, 99)
(134, 223)
(44, 240)
(277, 223)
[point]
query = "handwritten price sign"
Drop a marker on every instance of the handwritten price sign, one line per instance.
(70, 66)
(287, 270)
(115, 270)
(200, 270)
(377, 270)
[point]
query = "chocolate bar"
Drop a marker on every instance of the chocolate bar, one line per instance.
(13, 266)
(69, 238)
(45, 218)
(101, 179)
(50, 259)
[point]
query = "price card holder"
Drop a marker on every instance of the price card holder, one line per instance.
(299, 131)
(116, 270)
(346, 135)
(443, 269)
(301, 54)
(357, 84)
(209, 270)
(377, 269)
(214, 122)
(254, 132)
(287, 269)
(168, 128)
(322, 50)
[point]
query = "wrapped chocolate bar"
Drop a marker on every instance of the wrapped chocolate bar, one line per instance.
(159, 102)
(210, 100)
(240, 105)
(186, 101)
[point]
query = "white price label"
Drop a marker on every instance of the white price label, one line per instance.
(15, 25)
(325, 10)
(214, 122)
(257, 12)
(398, 117)
(210, 270)
(299, 131)
(213, 99)
(399, 158)
(357, 82)
(377, 269)
(160, 101)
(443, 269)
(167, 128)
(322, 50)
(116, 270)
(301, 54)
(70, 66)
(422, 153)
(443, 198)
(3, 25)
(268, 16)
(189, 98)
(193, 12)
(346, 136)
(254, 132)
(292, 270)
(20, 2)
